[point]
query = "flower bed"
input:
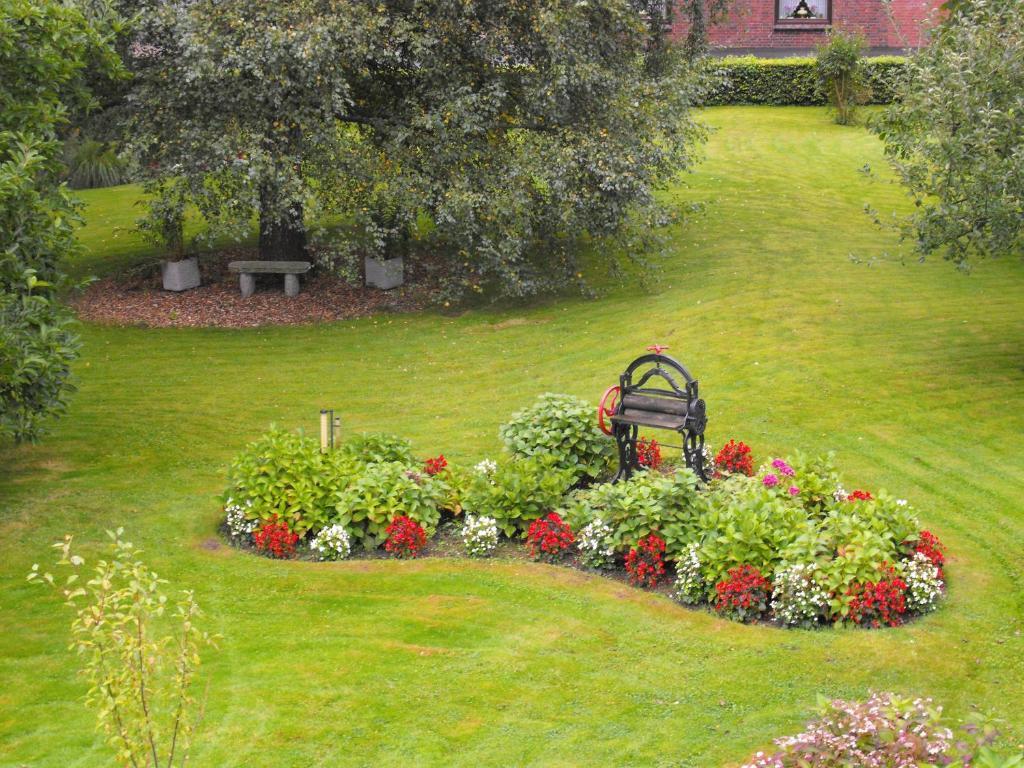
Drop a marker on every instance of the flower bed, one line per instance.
(784, 543)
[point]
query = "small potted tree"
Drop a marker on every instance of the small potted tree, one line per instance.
(164, 226)
(387, 227)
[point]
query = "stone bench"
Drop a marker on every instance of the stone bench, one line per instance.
(247, 271)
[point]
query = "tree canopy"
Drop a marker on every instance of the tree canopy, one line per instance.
(954, 133)
(45, 47)
(510, 135)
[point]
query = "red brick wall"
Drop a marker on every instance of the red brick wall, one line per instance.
(751, 24)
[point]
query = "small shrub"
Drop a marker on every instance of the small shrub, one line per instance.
(549, 537)
(744, 595)
(435, 466)
(645, 563)
(689, 587)
(237, 517)
(648, 453)
(275, 538)
(797, 599)
(734, 458)
(841, 73)
(479, 535)
(139, 652)
(649, 502)
(405, 537)
(746, 524)
(331, 543)
(880, 602)
(885, 730)
(378, 448)
(563, 428)
(382, 491)
(285, 476)
(924, 582)
(93, 164)
(517, 493)
(594, 542)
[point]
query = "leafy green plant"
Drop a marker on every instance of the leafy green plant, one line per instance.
(377, 448)
(517, 492)
(378, 493)
(285, 474)
(92, 164)
(562, 427)
(649, 502)
(754, 528)
(139, 653)
(841, 73)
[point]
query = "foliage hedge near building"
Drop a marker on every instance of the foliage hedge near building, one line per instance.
(794, 81)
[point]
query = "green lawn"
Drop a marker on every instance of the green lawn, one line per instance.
(913, 374)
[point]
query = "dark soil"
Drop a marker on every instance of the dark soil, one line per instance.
(137, 298)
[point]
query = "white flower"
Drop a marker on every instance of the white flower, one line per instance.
(690, 586)
(236, 516)
(924, 582)
(595, 544)
(480, 535)
(840, 494)
(796, 597)
(487, 467)
(332, 543)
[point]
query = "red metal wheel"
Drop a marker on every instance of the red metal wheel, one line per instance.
(609, 404)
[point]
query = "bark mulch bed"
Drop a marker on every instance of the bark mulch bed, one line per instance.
(137, 299)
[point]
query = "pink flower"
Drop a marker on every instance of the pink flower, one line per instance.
(770, 481)
(783, 467)
(794, 491)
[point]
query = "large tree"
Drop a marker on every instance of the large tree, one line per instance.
(522, 130)
(45, 47)
(954, 134)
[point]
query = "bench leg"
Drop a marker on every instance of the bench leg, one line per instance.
(247, 284)
(291, 285)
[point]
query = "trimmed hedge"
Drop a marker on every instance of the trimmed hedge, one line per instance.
(793, 81)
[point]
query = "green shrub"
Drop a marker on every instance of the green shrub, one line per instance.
(754, 527)
(841, 73)
(93, 164)
(564, 428)
(892, 521)
(285, 474)
(382, 491)
(376, 448)
(649, 502)
(794, 81)
(517, 492)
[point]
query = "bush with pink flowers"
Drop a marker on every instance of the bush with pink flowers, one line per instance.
(886, 731)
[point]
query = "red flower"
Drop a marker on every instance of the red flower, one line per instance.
(549, 537)
(648, 453)
(734, 458)
(928, 544)
(744, 595)
(645, 562)
(435, 466)
(275, 538)
(875, 603)
(406, 537)
(859, 496)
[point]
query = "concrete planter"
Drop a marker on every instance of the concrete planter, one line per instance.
(384, 274)
(180, 275)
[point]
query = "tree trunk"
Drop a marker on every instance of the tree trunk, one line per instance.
(281, 239)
